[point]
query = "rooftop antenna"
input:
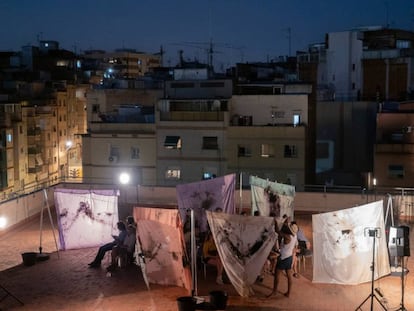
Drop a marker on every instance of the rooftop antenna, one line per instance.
(289, 37)
(387, 23)
(161, 54)
(39, 37)
(210, 50)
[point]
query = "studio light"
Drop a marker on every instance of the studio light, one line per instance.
(3, 222)
(124, 178)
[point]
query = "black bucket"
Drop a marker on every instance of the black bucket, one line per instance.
(186, 303)
(29, 259)
(218, 299)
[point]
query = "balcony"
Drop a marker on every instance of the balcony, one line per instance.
(192, 116)
(34, 131)
(395, 148)
(5, 120)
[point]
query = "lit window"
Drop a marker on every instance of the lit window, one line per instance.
(209, 173)
(172, 142)
(9, 138)
(290, 151)
(173, 173)
(210, 142)
(268, 151)
(296, 119)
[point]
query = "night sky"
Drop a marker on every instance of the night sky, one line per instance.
(241, 30)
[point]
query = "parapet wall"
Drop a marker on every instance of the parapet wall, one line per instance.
(26, 207)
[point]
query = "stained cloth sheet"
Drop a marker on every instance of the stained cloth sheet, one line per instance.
(343, 249)
(83, 212)
(243, 244)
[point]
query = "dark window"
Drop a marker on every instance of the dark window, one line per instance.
(322, 150)
(290, 151)
(210, 142)
(396, 171)
(172, 142)
(243, 151)
(212, 84)
(182, 85)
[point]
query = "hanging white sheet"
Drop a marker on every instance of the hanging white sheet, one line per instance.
(243, 244)
(343, 247)
(86, 218)
(207, 195)
(160, 236)
(268, 196)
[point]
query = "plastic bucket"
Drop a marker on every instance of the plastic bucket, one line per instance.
(186, 303)
(218, 299)
(29, 259)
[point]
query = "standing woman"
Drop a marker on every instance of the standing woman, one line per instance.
(285, 260)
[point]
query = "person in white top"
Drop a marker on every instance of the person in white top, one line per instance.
(284, 261)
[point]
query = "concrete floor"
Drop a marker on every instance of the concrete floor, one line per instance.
(64, 282)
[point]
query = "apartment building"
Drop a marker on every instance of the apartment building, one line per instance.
(394, 147)
(267, 134)
(100, 66)
(121, 136)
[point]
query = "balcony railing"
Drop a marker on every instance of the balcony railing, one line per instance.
(192, 116)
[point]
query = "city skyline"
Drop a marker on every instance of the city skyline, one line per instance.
(239, 31)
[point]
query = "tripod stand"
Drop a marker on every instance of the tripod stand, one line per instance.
(402, 308)
(9, 294)
(374, 233)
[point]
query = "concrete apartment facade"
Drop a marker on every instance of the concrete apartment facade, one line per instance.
(394, 147)
(272, 144)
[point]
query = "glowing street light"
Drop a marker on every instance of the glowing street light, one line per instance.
(124, 178)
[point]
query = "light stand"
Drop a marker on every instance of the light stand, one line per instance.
(402, 308)
(374, 233)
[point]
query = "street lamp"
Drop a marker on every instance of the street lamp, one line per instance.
(374, 183)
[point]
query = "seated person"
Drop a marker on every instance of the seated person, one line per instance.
(118, 239)
(211, 256)
(125, 251)
(302, 249)
(130, 221)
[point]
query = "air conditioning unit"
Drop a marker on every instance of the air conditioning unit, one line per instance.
(113, 159)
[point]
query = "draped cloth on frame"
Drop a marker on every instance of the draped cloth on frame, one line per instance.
(243, 244)
(82, 212)
(161, 239)
(207, 195)
(268, 196)
(343, 249)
